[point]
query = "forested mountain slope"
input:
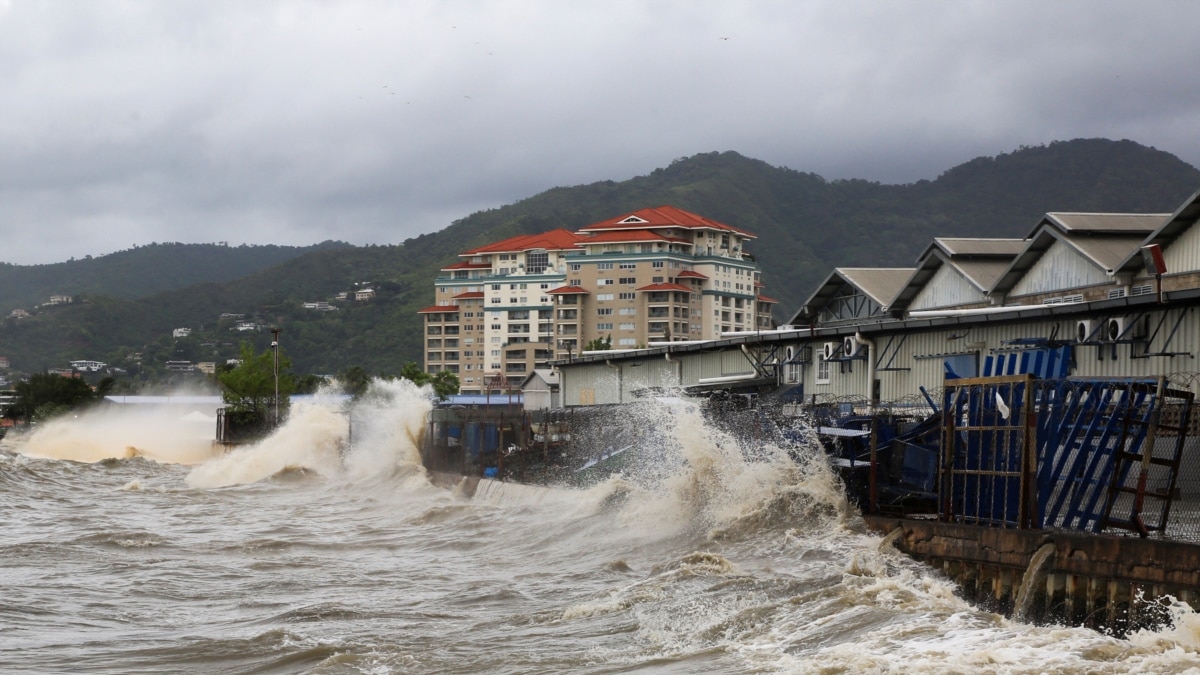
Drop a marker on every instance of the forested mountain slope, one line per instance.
(805, 225)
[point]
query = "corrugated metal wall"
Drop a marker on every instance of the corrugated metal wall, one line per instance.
(1184, 254)
(923, 354)
(947, 288)
(1060, 268)
(598, 383)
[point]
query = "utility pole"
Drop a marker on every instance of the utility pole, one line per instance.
(275, 347)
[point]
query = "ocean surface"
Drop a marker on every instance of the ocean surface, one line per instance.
(126, 546)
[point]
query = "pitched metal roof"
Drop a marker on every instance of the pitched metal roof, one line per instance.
(1171, 229)
(881, 284)
(1106, 251)
(983, 274)
(1103, 223)
(977, 246)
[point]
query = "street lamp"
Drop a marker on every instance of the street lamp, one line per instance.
(275, 347)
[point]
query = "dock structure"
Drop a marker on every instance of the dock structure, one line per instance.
(1046, 499)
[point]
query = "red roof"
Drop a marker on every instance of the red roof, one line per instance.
(469, 295)
(665, 287)
(568, 290)
(689, 274)
(554, 240)
(464, 265)
(629, 235)
(663, 216)
(432, 309)
(763, 298)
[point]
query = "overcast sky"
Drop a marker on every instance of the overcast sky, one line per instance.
(126, 123)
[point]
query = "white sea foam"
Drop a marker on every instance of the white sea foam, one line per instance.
(117, 432)
(387, 424)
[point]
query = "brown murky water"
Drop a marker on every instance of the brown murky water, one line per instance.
(287, 557)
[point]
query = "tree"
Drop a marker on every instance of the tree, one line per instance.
(249, 389)
(444, 383)
(599, 344)
(309, 384)
(44, 395)
(354, 380)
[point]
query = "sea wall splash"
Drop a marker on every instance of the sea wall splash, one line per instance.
(691, 473)
(311, 439)
(116, 432)
(386, 424)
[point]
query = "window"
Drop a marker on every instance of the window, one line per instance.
(495, 287)
(604, 282)
(604, 326)
(604, 266)
(627, 342)
(627, 311)
(822, 370)
(536, 262)
(495, 301)
(628, 281)
(658, 264)
(628, 266)
(574, 267)
(626, 326)
(604, 296)
(627, 296)
(656, 280)
(604, 311)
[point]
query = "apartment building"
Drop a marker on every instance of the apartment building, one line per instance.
(655, 275)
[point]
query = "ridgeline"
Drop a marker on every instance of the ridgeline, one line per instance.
(128, 303)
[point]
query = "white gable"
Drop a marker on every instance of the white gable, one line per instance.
(947, 288)
(1060, 268)
(633, 220)
(1183, 255)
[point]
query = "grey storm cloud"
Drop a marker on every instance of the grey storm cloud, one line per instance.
(293, 122)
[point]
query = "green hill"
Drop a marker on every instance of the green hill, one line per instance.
(805, 224)
(141, 271)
